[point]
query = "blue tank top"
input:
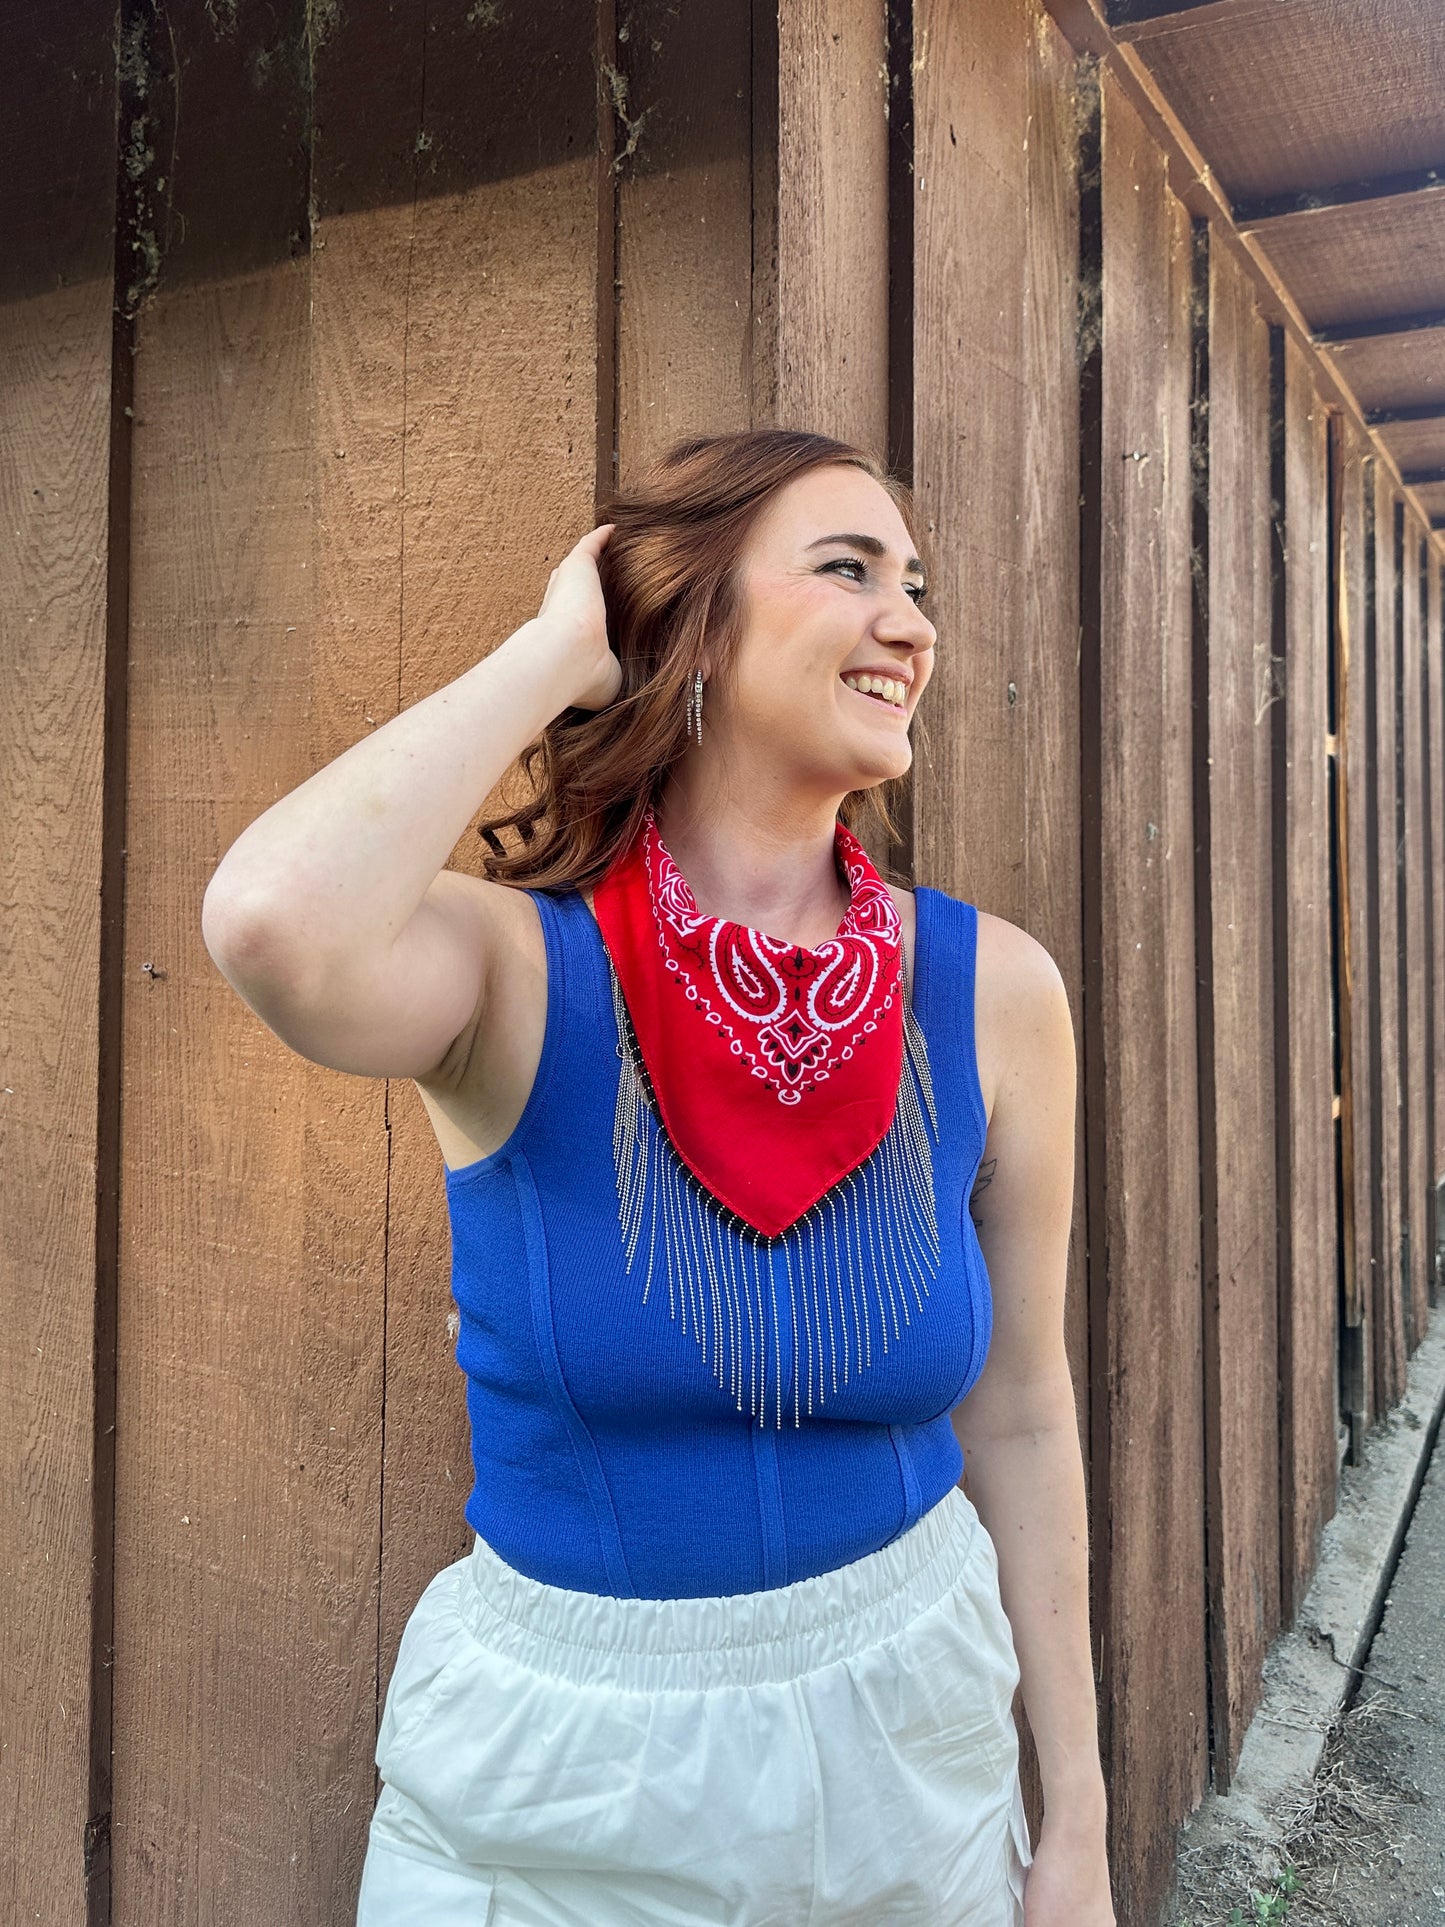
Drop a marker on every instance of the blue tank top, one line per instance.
(609, 1456)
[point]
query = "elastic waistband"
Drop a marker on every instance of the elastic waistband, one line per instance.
(742, 1639)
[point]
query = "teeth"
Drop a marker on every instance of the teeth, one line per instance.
(884, 686)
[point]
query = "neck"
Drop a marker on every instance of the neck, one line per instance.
(755, 864)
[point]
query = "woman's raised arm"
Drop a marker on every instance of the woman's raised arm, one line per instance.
(332, 915)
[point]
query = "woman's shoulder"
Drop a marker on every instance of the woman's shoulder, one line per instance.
(1017, 963)
(1006, 951)
(1014, 978)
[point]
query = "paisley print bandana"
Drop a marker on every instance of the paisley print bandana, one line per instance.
(773, 1069)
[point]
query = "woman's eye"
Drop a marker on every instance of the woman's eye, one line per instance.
(852, 562)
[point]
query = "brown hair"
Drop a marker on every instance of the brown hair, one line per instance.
(671, 581)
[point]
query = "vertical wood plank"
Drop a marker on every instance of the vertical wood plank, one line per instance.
(1145, 1255)
(1233, 838)
(1434, 659)
(684, 231)
(62, 644)
(995, 440)
(1389, 1312)
(821, 286)
(1415, 1010)
(1308, 1251)
(254, 1186)
(492, 400)
(1352, 724)
(362, 449)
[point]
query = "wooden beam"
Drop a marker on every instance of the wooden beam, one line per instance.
(1428, 411)
(1192, 178)
(1252, 209)
(1385, 324)
(1123, 14)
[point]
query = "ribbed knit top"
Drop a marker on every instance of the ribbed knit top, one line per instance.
(608, 1456)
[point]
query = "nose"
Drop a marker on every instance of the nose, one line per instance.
(905, 623)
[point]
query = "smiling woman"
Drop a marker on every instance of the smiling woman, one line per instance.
(768, 563)
(730, 1640)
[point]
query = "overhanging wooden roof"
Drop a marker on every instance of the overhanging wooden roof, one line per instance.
(1320, 125)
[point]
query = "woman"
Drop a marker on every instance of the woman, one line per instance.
(760, 1173)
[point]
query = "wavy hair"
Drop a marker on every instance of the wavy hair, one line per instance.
(671, 580)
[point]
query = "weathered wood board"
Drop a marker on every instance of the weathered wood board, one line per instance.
(253, 1186)
(1383, 616)
(1305, 1082)
(1353, 716)
(1235, 678)
(62, 643)
(1415, 1006)
(1434, 654)
(1144, 1133)
(994, 431)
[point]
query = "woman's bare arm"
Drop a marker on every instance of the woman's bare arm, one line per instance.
(333, 915)
(1019, 1429)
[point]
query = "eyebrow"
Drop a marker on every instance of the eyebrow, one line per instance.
(870, 546)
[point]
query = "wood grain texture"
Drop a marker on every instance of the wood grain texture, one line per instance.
(1389, 1309)
(254, 1239)
(1418, 444)
(1145, 1256)
(1237, 1015)
(1434, 654)
(354, 471)
(253, 1229)
(1415, 1011)
(1363, 260)
(62, 646)
(1393, 371)
(1228, 64)
(1308, 1255)
(684, 233)
(995, 440)
(1357, 883)
(54, 426)
(821, 291)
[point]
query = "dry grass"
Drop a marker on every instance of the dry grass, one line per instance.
(1353, 1817)
(1349, 1821)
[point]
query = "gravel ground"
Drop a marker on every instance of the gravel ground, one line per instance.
(1367, 1845)
(1372, 1854)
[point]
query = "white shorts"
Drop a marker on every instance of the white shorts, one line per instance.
(840, 1752)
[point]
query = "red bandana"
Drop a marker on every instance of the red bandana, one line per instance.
(774, 1069)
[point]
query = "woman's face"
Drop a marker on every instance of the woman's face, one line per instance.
(830, 584)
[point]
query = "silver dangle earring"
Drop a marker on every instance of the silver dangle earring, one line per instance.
(694, 707)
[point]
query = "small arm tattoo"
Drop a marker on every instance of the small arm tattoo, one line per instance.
(981, 1184)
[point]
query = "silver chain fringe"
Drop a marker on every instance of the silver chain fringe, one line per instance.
(864, 1246)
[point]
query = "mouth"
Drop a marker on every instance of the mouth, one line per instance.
(883, 690)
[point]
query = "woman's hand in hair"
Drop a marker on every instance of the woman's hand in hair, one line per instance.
(574, 612)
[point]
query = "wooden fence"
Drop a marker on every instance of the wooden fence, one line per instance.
(321, 328)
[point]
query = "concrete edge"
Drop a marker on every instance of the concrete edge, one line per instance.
(1309, 1669)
